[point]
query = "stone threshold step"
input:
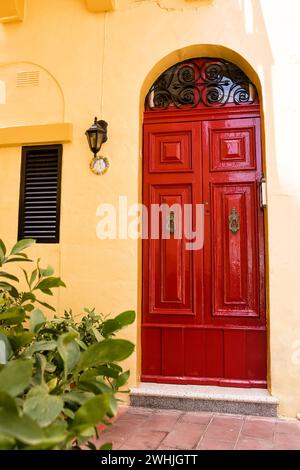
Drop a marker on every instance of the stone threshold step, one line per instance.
(248, 401)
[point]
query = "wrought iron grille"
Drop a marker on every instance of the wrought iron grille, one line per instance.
(206, 81)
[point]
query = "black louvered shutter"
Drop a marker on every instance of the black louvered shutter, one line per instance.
(39, 210)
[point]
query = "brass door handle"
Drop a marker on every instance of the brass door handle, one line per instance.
(234, 221)
(171, 223)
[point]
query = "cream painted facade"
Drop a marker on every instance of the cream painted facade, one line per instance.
(91, 62)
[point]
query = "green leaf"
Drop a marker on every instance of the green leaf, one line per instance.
(94, 384)
(41, 363)
(69, 351)
(19, 340)
(126, 318)
(23, 255)
(50, 367)
(81, 344)
(41, 346)
(21, 245)
(28, 307)
(107, 372)
(13, 315)
(97, 334)
(54, 437)
(122, 379)
(91, 413)
(85, 434)
(6, 442)
(47, 291)
(33, 277)
(26, 276)
(115, 367)
(8, 276)
(5, 349)
(69, 413)
(16, 376)
(24, 429)
(10, 288)
(91, 445)
(106, 446)
(28, 296)
(49, 283)
(108, 350)
(44, 304)
(13, 260)
(2, 248)
(37, 319)
(80, 398)
(110, 326)
(56, 433)
(115, 324)
(42, 407)
(49, 271)
(52, 384)
(8, 403)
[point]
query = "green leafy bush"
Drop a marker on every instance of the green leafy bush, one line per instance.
(58, 377)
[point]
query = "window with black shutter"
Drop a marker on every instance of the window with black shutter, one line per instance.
(39, 211)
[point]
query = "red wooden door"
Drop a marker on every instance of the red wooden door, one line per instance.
(204, 310)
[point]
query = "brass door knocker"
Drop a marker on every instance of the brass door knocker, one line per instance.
(234, 221)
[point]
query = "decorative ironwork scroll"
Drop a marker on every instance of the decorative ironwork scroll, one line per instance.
(206, 81)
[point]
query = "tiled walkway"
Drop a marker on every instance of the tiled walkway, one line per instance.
(149, 429)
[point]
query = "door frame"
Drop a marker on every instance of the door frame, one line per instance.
(255, 110)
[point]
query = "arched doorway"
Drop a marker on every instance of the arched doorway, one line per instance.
(203, 309)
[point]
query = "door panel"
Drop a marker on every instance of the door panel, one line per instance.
(152, 351)
(173, 352)
(171, 148)
(204, 310)
(170, 265)
(234, 253)
(232, 149)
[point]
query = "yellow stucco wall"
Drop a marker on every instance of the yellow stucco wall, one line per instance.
(103, 64)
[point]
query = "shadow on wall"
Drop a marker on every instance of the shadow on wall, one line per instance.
(29, 95)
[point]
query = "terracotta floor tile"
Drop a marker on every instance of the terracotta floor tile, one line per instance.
(146, 428)
(292, 441)
(250, 443)
(116, 443)
(259, 428)
(285, 426)
(145, 440)
(118, 433)
(184, 435)
(137, 413)
(285, 447)
(134, 421)
(214, 444)
(161, 421)
(224, 430)
(126, 447)
(266, 419)
(196, 418)
(164, 447)
(223, 420)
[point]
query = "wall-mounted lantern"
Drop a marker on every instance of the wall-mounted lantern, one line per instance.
(96, 136)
